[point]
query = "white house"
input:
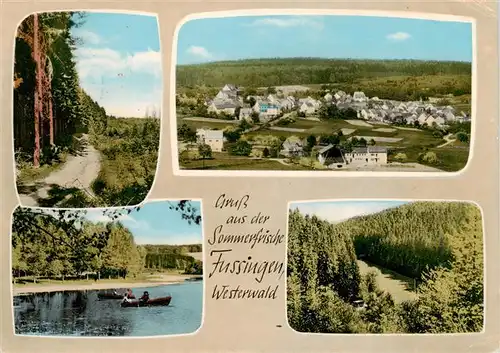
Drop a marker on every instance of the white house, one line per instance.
(367, 155)
(328, 97)
(256, 107)
(340, 95)
(430, 121)
(272, 99)
(449, 116)
(359, 97)
(230, 88)
(213, 138)
(245, 113)
(410, 120)
(219, 107)
(285, 104)
(307, 108)
(292, 147)
(439, 121)
(422, 118)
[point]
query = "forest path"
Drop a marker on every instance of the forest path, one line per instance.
(398, 286)
(78, 172)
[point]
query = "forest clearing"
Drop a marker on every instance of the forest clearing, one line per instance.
(400, 288)
(416, 267)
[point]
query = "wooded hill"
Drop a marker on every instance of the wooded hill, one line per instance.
(174, 257)
(444, 239)
(410, 238)
(439, 77)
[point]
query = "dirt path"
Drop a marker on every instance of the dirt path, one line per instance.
(448, 140)
(398, 286)
(78, 172)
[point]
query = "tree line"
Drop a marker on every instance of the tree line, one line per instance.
(63, 243)
(49, 104)
(347, 74)
(130, 150)
(174, 257)
(325, 285)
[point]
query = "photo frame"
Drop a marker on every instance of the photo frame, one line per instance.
(244, 211)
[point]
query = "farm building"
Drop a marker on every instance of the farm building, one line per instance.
(331, 157)
(367, 155)
(213, 138)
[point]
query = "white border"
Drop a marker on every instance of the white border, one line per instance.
(50, 337)
(334, 174)
(361, 200)
(162, 113)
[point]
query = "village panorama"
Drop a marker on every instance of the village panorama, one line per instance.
(325, 126)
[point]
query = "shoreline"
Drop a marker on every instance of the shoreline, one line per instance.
(60, 287)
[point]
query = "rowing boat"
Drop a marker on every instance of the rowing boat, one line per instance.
(162, 301)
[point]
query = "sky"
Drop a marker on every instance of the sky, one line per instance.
(119, 62)
(156, 223)
(338, 211)
(329, 36)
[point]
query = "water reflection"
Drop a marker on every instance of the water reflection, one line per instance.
(81, 313)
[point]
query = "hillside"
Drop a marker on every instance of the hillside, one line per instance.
(411, 238)
(174, 257)
(347, 74)
(325, 282)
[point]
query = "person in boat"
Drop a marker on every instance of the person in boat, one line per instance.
(145, 297)
(128, 296)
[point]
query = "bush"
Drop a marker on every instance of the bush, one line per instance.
(400, 157)
(462, 136)
(241, 148)
(430, 158)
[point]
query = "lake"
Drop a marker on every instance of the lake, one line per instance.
(80, 313)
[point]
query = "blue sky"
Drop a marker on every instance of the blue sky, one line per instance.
(119, 62)
(334, 36)
(156, 223)
(338, 211)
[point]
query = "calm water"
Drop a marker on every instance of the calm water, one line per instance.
(80, 313)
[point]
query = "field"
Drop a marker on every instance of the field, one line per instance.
(410, 141)
(227, 162)
(400, 287)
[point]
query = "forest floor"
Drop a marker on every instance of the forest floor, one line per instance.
(77, 173)
(398, 286)
(71, 285)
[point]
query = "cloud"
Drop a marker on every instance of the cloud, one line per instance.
(126, 96)
(98, 216)
(159, 237)
(287, 22)
(101, 62)
(398, 36)
(341, 211)
(89, 37)
(199, 51)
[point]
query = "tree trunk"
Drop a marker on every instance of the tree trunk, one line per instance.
(38, 91)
